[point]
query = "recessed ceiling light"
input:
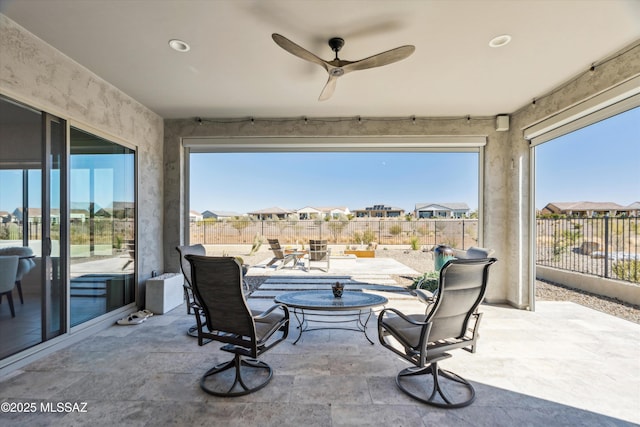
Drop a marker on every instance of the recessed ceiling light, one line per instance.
(500, 41)
(179, 45)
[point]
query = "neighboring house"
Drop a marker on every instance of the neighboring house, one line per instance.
(585, 209)
(634, 209)
(118, 210)
(5, 217)
(35, 215)
(195, 216)
(441, 210)
(271, 213)
(220, 214)
(379, 211)
(310, 212)
(337, 211)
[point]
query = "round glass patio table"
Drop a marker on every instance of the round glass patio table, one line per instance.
(321, 307)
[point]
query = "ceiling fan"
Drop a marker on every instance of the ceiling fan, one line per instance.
(338, 67)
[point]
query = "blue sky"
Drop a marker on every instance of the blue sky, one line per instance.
(243, 182)
(599, 163)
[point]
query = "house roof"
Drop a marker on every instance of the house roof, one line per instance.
(587, 206)
(276, 210)
(220, 213)
(453, 71)
(451, 206)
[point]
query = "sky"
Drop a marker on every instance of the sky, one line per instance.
(245, 182)
(599, 163)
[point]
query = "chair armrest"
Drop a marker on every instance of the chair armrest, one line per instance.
(425, 296)
(401, 315)
(266, 313)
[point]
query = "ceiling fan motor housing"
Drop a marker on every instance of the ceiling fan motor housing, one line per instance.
(336, 44)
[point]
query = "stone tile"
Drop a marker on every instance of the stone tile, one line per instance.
(548, 367)
(374, 415)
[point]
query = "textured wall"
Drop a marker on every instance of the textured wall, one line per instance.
(33, 72)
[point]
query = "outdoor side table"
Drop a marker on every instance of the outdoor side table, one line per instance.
(322, 308)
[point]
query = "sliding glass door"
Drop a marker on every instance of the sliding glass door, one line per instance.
(102, 226)
(32, 151)
(67, 210)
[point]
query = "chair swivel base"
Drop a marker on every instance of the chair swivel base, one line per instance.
(437, 396)
(236, 386)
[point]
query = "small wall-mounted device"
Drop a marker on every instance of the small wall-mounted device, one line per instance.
(502, 123)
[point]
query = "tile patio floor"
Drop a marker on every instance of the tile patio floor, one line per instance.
(562, 365)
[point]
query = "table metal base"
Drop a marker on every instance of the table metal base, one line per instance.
(359, 317)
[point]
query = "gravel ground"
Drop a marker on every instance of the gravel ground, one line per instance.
(545, 291)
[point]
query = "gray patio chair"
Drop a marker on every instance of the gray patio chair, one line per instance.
(217, 285)
(8, 272)
(279, 255)
(185, 267)
(451, 322)
(25, 264)
(318, 252)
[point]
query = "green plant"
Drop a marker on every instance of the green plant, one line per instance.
(366, 237)
(429, 281)
(257, 242)
(415, 243)
(240, 224)
(627, 270)
(117, 244)
(336, 228)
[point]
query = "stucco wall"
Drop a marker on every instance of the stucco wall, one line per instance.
(38, 75)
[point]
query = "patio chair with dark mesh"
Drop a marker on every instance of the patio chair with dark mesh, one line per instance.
(217, 285)
(279, 255)
(451, 322)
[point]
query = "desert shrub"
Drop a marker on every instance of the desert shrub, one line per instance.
(415, 243)
(395, 229)
(627, 270)
(428, 281)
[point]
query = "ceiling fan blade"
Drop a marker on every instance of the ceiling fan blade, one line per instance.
(329, 88)
(298, 51)
(384, 58)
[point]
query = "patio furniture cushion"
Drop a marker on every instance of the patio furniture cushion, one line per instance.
(473, 253)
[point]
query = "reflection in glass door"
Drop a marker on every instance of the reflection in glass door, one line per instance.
(31, 147)
(102, 226)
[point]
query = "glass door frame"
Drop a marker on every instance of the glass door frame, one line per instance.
(54, 272)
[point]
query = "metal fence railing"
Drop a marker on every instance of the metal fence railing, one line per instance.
(100, 231)
(460, 233)
(605, 247)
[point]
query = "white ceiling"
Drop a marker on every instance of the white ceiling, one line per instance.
(234, 68)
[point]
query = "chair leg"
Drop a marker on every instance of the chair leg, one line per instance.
(19, 286)
(10, 299)
(440, 379)
(222, 387)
